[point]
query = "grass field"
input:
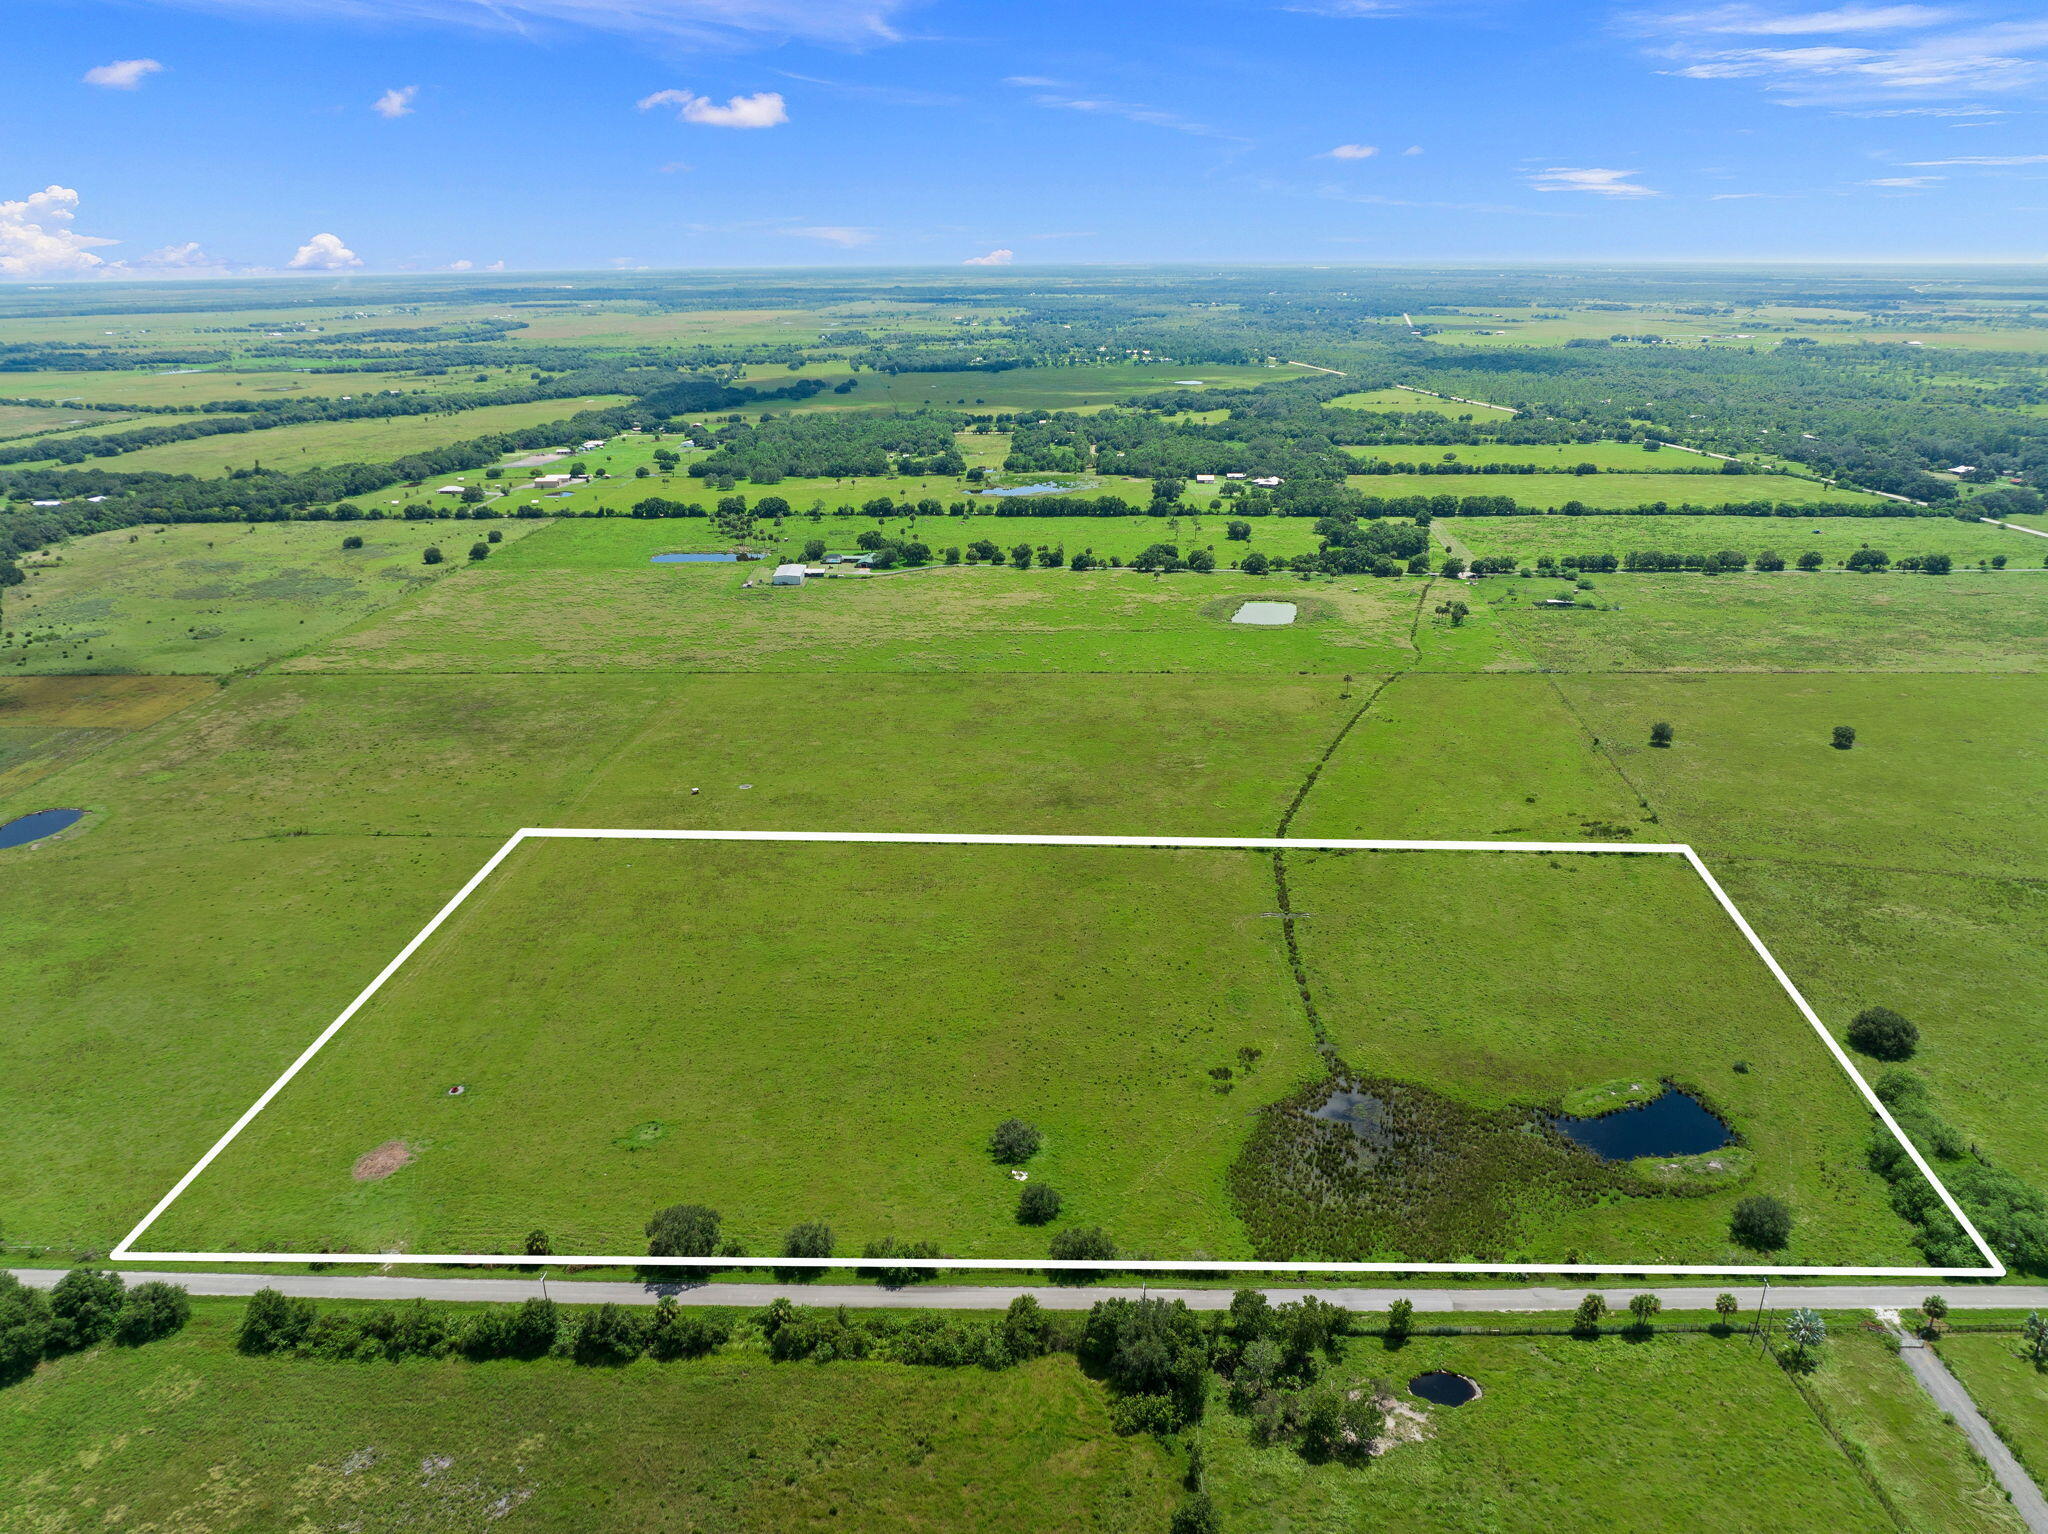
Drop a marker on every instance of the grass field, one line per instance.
(317, 443)
(1040, 388)
(199, 385)
(1682, 1433)
(2007, 1389)
(1412, 401)
(1619, 489)
(701, 618)
(47, 722)
(1608, 455)
(214, 597)
(188, 1434)
(1835, 538)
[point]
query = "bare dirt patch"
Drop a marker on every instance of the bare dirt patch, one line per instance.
(378, 1164)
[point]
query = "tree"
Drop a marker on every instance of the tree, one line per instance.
(1400, 1320)
(1586, 1319)
(813, 1238)
(1810, 560)
(1241, 532)
(683, 1230)
(1020, 556)
(150, 1311)
(83, 1306)
(1195, 1515)
(1725, 1306)
(1201, 561)
(1806, 1331)
(1255, 563)
(1459, 612)
(352, 541)
(24, 1326)
(1770, 559)
(1038, 1204)
(1762, 1222)
(432, 556)
(1027, 1329)
(1452, 568)
(608, 1334)
(814, 551)
(1014, 1142)
(479, 550)
(1661, 734)
(273, 1323)
(537, 1244)
(1086, 1243)
(870, 539)
(1865, 560)
(1644, 1308)
(1844, 737)
(2034, 1339)
(1882, 1034)
(494, 536)
(1935, 1308)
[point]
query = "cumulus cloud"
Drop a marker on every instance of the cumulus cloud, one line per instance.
(1604, 183)
(1350, 152)
(122, 74)
(845, 235)
(764, 109)
(996, 257)
(37, 240)
(460, 266)
(324, 253)
(183, 257)
(396, 102)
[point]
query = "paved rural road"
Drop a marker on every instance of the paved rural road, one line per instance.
(1950, 1396)
(322, 1286)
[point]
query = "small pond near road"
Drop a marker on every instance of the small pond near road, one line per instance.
(1440, 1387)
(1673, 1124)
(33, 828)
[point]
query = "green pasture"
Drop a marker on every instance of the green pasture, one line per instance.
(1510, 979)
(317, 443)
(200, 385)
(1053, 984)
(189, 1434)
(706, 618)
(1620, 489)
(1411, 402)
(1781, 622)
(246, 865)
(1607, 455)
(1032, 388)
(1681, 1433)
(212, 597)
(2008, 1389)
(35, 420)
(1834, 538)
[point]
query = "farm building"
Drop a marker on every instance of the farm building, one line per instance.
(788, 575)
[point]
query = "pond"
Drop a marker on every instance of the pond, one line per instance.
(1440, 1387)
(33, 828)
(1265, 614)
(1045, 489)
(1673, 1124)
(694, 559)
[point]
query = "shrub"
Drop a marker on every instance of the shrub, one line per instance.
(432, 556)
(1661, 734)
(274, 1323)
(1844, 737)
(83, 1306)
(1014, 1141)
(607, 1334)
(1762, 1222)
(682, 1230)
(1144, 1414)
(896, 1276)
(1196, 1515)
(1586, 1319)
(810, 1239)
(673, 1334)
(352, 541)
(534, 1327)
(1400, 1320)
(1038, 1204)
(1086, 1243)
(494, 536)
(24, 1326)
(150, 1311)
(1882, 1034)
(479, 550)
(1027, 1329)
(1255, 563)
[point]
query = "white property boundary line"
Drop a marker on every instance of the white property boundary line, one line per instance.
(1993, 1268)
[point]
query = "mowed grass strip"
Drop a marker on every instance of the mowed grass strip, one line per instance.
(790, 1032)
(1614, 489)
(1509, 979)
(2007, 1388)
(1834, 538)
(189, 1434)
(706, 618)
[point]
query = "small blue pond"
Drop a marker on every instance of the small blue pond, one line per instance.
(1674, 1124)
(33, 828)
(1030, 490)
(693, 559)
(1440, 1387)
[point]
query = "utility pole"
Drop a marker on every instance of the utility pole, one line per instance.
(1762, 1300)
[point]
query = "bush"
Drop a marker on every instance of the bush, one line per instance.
(1761, 1222)
(479, 550)
(1145, 1414)
(1882, 1034)
(682, 1230)
(1661, 734)
(1027, 1329)
(24, 1326)
(1844, 737)
(607, 1334)
(1014, 1141)
(672, 1334)
(895, 1276)
(83, 1307)
(352, 541)
(150, 1311)
(274, 1323)
(1086, 1243)
(810, 1239)
(1197, 1515)
(432, 556)
(1038, 1204)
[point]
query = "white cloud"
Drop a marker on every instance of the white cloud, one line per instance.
(843, 235)
(460, 266)
(396, 102)
(1151, 117)
(764, 109)
(495, 266)
(1987, 159)
(1413, 149)
(1756, 21)
(324, 253)
(1904, 181)
(1349, 152)
(996, 257)
(37, 240)
(1604, 183)
(698, 23)
(184, 257)
(122, 74)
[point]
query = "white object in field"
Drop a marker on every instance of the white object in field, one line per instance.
(789, 575)
(1265, 614)
(1020, 1174)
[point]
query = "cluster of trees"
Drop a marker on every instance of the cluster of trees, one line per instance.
(2012, 1216)
(85, 1307)
(832, 445)
(1449, 465)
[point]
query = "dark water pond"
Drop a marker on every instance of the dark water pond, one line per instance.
(1361, 1112)
(694, 559)
(1440, 1387)
(1675, 1124)
(33, 828)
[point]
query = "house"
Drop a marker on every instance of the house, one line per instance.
(1268, 480)
(1234, 474)
(1205, 479)
(592, 446)
(551, 481)
(788, 575)
(449, 490)
(1964, 468)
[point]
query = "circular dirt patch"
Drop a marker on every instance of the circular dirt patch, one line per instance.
(376, 1165)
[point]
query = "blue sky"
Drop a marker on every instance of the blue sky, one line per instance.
(206, 136)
